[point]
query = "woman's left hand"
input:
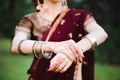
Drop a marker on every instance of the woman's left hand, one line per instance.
(60, 63)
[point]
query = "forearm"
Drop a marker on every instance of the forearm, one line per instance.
(25, 46)
(99, 36)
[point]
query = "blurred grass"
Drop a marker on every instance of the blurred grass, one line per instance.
(107, 72)
(14, 67)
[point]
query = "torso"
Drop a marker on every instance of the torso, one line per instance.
(70, 27)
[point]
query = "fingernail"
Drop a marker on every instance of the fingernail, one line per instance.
(49, 69)
(83, 57)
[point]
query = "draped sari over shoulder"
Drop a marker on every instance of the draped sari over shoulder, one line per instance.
(70, 27)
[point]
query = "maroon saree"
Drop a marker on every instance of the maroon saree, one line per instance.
(70, 27)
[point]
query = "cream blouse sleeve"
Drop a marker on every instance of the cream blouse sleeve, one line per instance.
(24, 26)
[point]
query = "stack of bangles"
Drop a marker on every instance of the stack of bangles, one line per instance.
(38, 50)
(92, 41)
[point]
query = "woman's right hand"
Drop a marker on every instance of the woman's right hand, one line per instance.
(60, 63)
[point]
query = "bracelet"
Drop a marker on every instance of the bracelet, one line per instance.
(36, 51)
(33, 47)
(92, 41)
(19, 47)
(46, 55)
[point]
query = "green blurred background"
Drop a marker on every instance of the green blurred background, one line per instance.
(106, 13)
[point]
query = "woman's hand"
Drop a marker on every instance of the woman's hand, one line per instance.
(70, 49)
(60, 63)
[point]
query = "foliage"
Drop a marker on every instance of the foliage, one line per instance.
(11, 12)
(106, 13)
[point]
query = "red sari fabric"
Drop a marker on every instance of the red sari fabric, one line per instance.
(70, 27)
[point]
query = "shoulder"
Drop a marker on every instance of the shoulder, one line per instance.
(27, 20)
(32, 16)
(76, 12)
(81, 14)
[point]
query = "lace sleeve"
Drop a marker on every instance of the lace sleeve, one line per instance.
(89, 19)
(25, 26)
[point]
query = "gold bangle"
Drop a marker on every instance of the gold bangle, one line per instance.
(92, 41)
(36, 50)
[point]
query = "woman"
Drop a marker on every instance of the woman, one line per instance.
(61, 40)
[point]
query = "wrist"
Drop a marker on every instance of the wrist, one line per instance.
(92, 40)
(48, 47)
(45, 54)
(84, 45)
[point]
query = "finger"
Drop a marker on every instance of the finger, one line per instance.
(75, 52)
(67, 51)
(81, 55)
(73, 48)
(67, 65)
(53, 63)
(69, 54)
(62, 65)
(80, 51)
(72, 44)
(51, 67)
